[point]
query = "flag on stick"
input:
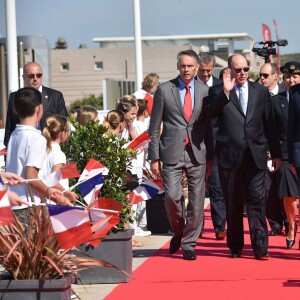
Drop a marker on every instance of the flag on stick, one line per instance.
(67, 171)
(74, 226)
(142, 140)
(146, 190)
(6, 215)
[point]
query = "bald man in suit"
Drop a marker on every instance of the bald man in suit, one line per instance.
(245, 134)
(52, 100)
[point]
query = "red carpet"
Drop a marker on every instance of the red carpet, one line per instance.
(215, 276)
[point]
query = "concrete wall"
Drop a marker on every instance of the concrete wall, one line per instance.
(82, 79)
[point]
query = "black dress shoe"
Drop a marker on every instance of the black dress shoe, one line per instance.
(274, 232)
(262, 255)
(221, 235)
(235, 253)
(189, 255)
(175, 244)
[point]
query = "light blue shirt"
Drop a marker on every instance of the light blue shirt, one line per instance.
(182, 91)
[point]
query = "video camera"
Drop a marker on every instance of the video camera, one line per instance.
(268, 48)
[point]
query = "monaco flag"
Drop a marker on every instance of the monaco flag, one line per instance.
(6, 215)
(67, 171)
(142, 140)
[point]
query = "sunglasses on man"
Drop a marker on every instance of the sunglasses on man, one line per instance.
(31, 76)
(239, 70)
(264, 75)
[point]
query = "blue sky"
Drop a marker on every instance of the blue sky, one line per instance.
(80, 21)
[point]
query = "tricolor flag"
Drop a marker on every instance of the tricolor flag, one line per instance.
(67, 171)
(90, 188)
(91, 180)
(146, 190)
(142, 140)
(93, 167)
(74, 226)
(6, 215)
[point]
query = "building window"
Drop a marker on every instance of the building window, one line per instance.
(64, 67)
(98, 65)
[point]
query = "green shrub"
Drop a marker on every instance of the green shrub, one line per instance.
(93, 140)
(91, 100)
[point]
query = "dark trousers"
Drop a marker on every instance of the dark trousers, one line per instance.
(217, 201)
(234, 182)
(275, 209)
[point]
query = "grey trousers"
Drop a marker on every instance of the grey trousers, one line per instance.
(186, 222)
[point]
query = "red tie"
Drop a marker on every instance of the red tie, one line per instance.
(188, 103)
(187, 107)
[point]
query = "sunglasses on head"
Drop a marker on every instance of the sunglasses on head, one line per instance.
(264, 75)
(239, 70)
(31, 76)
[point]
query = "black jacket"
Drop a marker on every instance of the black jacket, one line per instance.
(53, 103)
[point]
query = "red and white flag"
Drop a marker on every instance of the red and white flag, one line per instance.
(67, 171)
(103, 221)
(142, 140)
(6, 215)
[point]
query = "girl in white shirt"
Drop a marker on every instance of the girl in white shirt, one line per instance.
(57, 131)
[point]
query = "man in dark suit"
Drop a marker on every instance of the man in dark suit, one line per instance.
(243, 109)
(53, 101)
(269, 76)
(184, 144)
(207, 63)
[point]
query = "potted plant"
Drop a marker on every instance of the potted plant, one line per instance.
(35, 266)
(93, 140)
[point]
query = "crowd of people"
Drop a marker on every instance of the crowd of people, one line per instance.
(238, 138)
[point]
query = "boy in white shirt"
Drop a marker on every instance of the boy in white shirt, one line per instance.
(26, 150)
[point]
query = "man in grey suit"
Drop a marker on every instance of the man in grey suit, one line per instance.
(184, 144)
(53, 100)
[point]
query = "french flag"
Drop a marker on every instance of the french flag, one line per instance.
(6, 215)
(91, 180)
(67, 171)
(142, 140)
(74, 226)
(90, 188)
(148, 189)
(71, 225)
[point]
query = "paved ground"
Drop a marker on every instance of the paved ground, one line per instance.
(99, 291)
